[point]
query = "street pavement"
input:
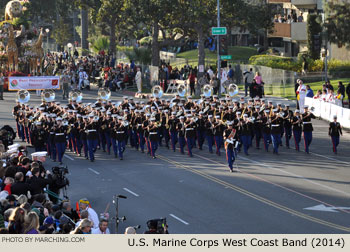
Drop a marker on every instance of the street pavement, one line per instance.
(293, 192)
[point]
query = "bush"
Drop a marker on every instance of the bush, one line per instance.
(284, 63)
(339, 68)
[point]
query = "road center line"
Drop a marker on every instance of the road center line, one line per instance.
(70, 158)
(129, 191)
(96, 172)
(340, 161)
(179, 219)
(293, 174)
(296, 175)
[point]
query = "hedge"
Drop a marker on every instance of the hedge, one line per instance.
(336, 68)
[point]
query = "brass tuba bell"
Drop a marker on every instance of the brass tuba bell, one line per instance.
(232, 90)
(48, 95)
(207, 91)
(23, 96)
(104, 94)
(76, 95)
(181, 90)
(157, 91)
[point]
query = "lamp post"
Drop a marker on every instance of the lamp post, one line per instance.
(47, 35)
(69, 45)
(218, 50)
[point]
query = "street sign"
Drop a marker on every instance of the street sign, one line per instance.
(226, 57)
(218, 31)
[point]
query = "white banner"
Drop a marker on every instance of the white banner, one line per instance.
(34, 83)
(327, 110)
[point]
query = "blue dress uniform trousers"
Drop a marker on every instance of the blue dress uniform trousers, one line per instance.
(141, 140)
(218, 142)
(230, 157)
(246, 140)
(257, 138)
(276, 141)
(60, 147)
(190, 141)
(307, 140)
(173, 139)
(153, 147)
(121, 147)
(92, 145)
(267, 141)
(166, 136)
(200, 138)
(287, 134)
(148, 145)
(210, 140)
(114, 146)
(108, 141)
(297, 138)
(136, 140)
(102, 141)
(85, 148)
(335, 142)
(182, 143)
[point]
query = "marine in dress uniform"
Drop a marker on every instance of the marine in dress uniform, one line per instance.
(297, 127)
(153, 137)
(334, 132)
(307, 128)
(230, 139)
(276, 129)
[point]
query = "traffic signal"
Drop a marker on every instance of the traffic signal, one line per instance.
(223, 48)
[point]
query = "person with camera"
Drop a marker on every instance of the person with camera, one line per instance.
(38, 181)
(155, 228)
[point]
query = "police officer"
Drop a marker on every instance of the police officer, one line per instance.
(335, 131)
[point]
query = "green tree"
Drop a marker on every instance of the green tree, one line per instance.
(337, 23)
(314, 29)
(110, 13)
(100, 44)
(62, 33)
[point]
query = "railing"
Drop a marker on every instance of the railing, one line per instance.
(281, 30)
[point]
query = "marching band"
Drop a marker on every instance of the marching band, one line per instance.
(224, 123)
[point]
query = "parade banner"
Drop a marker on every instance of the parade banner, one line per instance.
(33, 83)
(327, 110)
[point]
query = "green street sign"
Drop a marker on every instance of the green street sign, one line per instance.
(226, 57)
(218, 31)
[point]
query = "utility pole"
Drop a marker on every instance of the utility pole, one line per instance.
(218, 51)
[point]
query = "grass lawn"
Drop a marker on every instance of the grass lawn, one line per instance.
(240, 53)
